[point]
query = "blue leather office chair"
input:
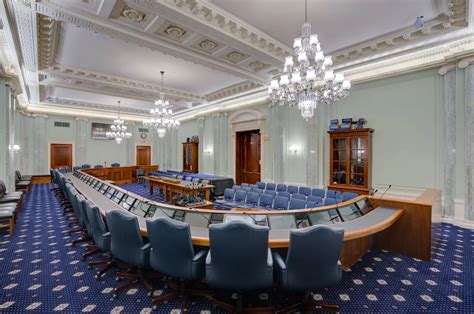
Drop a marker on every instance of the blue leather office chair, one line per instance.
(244, 184)
(228, 198)
(246, 188)
(322, 260)
(348, 196)
(128, 246)
(172, 254)
(115, 164)
(297, 204)
(84, 226)
(270, 192)
(292, 189)
(101, 237)
(238, 259)
(270, 186)
(266, 201)
(298, 196)
(281, 187)
(284, 194)
(305, 190)
(318, 192)
(280, 203)
(239, 199)
(261, 185)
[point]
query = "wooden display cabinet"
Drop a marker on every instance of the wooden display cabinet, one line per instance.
(350, 160)
(190, 157)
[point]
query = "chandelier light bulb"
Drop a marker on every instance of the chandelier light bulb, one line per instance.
(339, 78)
(329, 76)
(274, 85)
(327, 61)
(284, 81)
(313, 39)
(296, 78)
(346, 85)
(310, 75)
(302, 58)
(297, 43)
(319, 56)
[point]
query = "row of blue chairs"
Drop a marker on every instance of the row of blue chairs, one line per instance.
(87, 166)
(268, 199)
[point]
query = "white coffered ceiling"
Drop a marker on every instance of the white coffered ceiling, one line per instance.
(87, 54)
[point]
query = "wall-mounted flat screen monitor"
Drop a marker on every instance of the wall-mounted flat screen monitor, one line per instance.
(127, 202)
(118, 197)
(99, 130)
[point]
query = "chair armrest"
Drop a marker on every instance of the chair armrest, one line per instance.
(208, 258)
(106, 235)
(279, 262)
(146, 247)
(200, 256)
(269, 258)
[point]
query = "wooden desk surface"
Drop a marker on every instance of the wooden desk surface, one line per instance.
(379, 219)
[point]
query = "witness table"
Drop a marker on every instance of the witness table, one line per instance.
(170, 188)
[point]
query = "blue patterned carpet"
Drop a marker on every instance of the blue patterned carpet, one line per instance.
(41, 272)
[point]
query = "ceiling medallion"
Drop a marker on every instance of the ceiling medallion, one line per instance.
(234, 56)
(257, 65)
(175, 32)
(207, 44)
(133, 14)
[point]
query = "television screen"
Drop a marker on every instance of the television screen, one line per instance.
(98, 131)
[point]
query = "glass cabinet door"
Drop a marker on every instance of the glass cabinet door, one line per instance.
(339, 161)
(357, 161)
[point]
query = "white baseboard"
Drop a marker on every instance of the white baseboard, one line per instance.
(458, 222)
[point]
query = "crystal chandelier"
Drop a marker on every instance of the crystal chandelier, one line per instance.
(307, 78)
(161, 116)
(118, 129)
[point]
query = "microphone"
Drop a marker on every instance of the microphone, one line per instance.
(248, 215)
(378, 200)
(337, 211)
(373, 192)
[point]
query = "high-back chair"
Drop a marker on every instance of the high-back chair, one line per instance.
(238, 259)
(252, 199)
(323, 260)
(172, 254)
(281, 187)
(348, 196)
(280, 203)
(128, 246)
(261, 185)
(304, 190)
(318, 192)
(292, 189)
(266, 201)
(115, 164)
(270, 186)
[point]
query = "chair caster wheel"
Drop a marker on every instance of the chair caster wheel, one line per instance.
(117, 278)
(89, 267)
(115, 296)
(150, 293)
(154, 307)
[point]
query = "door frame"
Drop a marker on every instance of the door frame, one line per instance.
(151, 152)
(72, 143)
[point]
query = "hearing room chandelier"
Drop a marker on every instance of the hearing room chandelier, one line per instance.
(307, 78)
(118, 130)
(161, 116)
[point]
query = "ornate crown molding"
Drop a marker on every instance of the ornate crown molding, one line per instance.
(81, 119)
(232, 90)
(48, 38)
(464, 63)
(446, 68)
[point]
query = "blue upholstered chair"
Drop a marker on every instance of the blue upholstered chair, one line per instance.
(311, 204)
(101, 237)
(244, 184)
(228, 197)
(86, 166)
(270, 186)
(115, 164)
(329, 201)
(323, 260)
(305, 190)
(298, 196)
(270, 192)
(315, 199)
(296, 203)
(284, 194)
(348, 196)
(98, 166)
(292, 189)
(281, 187)
(236, 187)
(318, 192)
(252, 199)
(280, 203)
(84, 226)
(238, 259)
(140, 173)
(172, 254)
(240, 196)
(257, 190)
(246, 188)
(261, 185)
(266, 201)
(333, 194)
(128, 246)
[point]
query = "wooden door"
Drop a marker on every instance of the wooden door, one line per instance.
(247, 157)
(61, 155)
(143, 155)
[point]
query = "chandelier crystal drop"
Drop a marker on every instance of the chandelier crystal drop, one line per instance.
(161, 116)
(307, 78)
(118, 130)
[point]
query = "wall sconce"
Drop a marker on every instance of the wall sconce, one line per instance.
(294, 150)
(14, 148)
(208, 151)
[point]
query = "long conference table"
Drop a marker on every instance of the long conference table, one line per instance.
(395, 225)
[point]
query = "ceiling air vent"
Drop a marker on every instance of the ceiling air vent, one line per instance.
(60, 124)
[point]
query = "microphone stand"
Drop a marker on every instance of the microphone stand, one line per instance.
(378, 200)
(199, 212)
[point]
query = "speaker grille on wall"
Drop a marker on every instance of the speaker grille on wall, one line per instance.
(60, 124)
(142, 130)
